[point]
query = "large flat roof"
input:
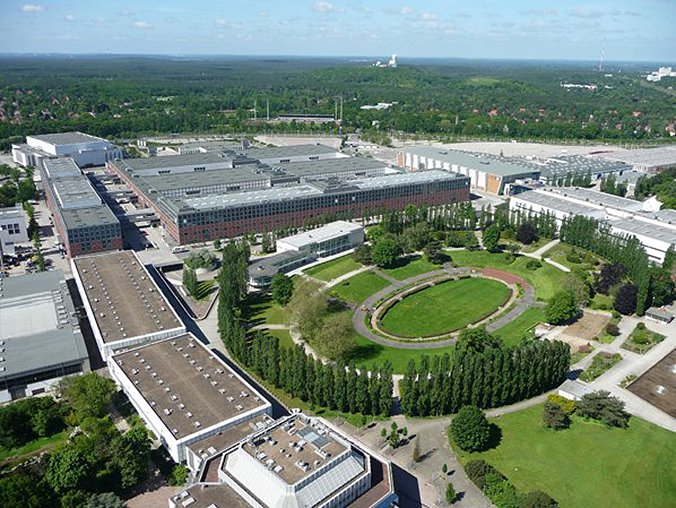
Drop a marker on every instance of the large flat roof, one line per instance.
(562, 165)
(322, 234)
(316, 188)
(488, 163)
(295, 443)
(66, 138)
(554, 201)
(267, 152)
(188, 387)
(62, 167)
(658, 384)
(123, 297)
(598, 198)
(39, 327)
(338, 165)
(635, 226)
(661, 156)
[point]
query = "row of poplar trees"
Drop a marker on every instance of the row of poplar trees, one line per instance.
(336, 386)
(484, 373)
(589, 234)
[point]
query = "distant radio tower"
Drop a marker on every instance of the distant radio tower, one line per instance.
(603, 51)
(255, 118)
(267, 107)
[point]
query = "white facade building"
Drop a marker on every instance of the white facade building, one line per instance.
(656, 230)
(13, 229)
(296, 462)
(326, 240)
(184, 392)
(84, 149)
(304, 248)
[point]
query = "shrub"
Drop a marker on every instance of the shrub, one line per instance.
(600, 405)
(450, 493)
(566, 405)
(612, 329)
(504, 495)
(539, 499)
(200, 259)
(533, 264)
(554, 417)
(470, 429)
(573, 257)
(179, 475)
(477, 470)
(640, 326)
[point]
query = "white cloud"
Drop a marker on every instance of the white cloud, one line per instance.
(428, 16)
(141, 24)
(322, 7)
(220, 22)
(69, 17)
(406, 10)
(32, 8)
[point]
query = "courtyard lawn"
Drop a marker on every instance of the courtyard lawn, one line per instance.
(413, 266)
(369, 353)
(445, 307)
(589, 464)
(334, 268)
(358, 288)
(259, 308)
(546, 281)
(521, 327)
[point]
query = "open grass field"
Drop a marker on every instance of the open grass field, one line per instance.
(445, 307)
(589, 464)
(367, 353)
(521, 327)
(546, 280)
(334, 268)
(358, 288)
(413, 266)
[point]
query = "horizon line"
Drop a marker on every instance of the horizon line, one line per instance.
(298, 56)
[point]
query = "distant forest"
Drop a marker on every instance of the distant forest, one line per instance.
(124, 97)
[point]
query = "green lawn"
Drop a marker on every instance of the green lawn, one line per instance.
(358, 288)
(588, 465)
(545, 280)
(601, 302)
(541, 242)
(367, 353)
(334, 268)
(445, 307)
(512, 333)
(33, 446)
(260, 308)
(284, 337)
(413, 266)
(560, 252)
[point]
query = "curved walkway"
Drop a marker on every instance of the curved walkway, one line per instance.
(361, 312)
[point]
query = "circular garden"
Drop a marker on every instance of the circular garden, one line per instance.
(439, 308)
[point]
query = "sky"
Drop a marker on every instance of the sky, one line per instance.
(629, 30)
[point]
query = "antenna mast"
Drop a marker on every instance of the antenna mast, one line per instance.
(603, 51)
